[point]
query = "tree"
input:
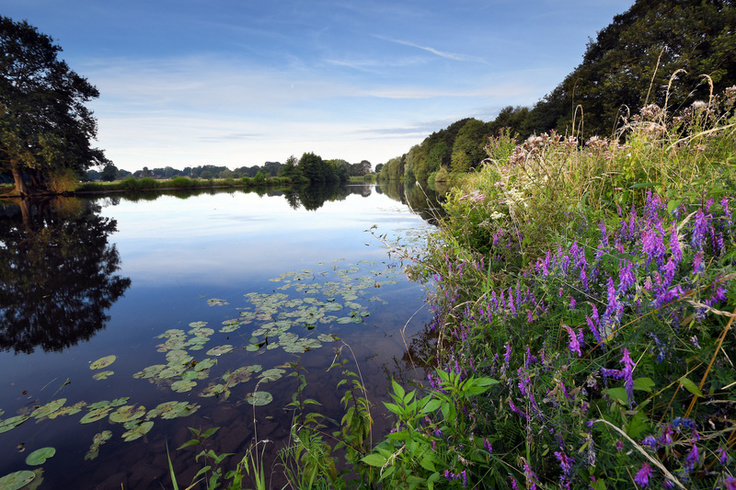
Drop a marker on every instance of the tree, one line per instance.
(109, 173)
(45, 126)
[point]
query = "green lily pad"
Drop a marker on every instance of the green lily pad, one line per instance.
(137, 432)
(218, 390)
(126, 413)
(68, 410)
(150, 371)
(17, 480)
(259, 398)
(327, 337)
(48, 409)
(103, 375)
(39, 456)
(95, 414)
(103, 362)
(99, 439)
(12, 422)
(182, 386)
(219, 350)
(271, 375)
(217, 302)
(205, 364)
(172, 410)
(203, 332)
(198, 324)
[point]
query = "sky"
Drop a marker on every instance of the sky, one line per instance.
(241, 82)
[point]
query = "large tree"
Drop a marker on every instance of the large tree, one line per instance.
(45, 126)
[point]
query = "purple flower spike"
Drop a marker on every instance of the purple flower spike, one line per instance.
(699, 230)
(628, 374)
(642, 476)
(692, 458)
(574, 343)
(565, 462)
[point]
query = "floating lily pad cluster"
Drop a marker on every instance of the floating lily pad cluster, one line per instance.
(285, 319)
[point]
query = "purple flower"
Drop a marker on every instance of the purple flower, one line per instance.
(507, 356)
(626, 276)
(692, 458)
(675, 245)
(724, 205)
(514, 484)
(729, 483)
(722, 456)
(573, 303)
(594, 324)
(698, 266)
(628, 374)
(650, 441)
(487, 445)
(574, 343)
(653, 246)
(700, 229)
(642, 476)
(565, 462)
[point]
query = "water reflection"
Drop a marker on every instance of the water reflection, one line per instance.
(58, 274)
(424, 201)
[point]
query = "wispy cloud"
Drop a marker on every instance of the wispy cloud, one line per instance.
(434, 51)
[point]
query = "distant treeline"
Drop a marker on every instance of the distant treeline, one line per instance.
(309, 168)
(666, 52)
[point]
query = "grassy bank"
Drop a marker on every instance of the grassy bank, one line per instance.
(584, 315)
(133, 184)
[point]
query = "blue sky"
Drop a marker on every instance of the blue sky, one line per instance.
(241, 82)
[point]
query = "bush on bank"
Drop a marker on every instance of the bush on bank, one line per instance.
(584, 315)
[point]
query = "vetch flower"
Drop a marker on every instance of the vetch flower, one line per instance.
(574, 344)
(692, 458)
(642, 476)
(628, 374)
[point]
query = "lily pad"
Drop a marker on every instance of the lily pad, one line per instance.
(205, 364)
(217, 302)
(137, 432)
(103, 362)
(12, 423)
(271, 375)
(95, 414)
(182, 386)
(48, 409)
(99, 439)
(327, 337)
(103, 375)
(39, 456)
(219, 350)
(17, 480)
(172, 410)
(259, 398)
(198, 324)
(218, 390)
(126, 413)
(150, 371)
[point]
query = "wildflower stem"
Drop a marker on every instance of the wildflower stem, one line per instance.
(642, 451)
(713, 359)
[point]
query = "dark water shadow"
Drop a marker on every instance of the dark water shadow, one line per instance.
(57, 274)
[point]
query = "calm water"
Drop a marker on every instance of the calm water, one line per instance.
(237, 283)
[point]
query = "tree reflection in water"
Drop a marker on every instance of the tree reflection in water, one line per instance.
(57, 274)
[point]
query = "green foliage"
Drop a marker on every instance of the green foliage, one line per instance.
(45, 126)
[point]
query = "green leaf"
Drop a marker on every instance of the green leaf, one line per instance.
(17, 480)
(374, 459)
(39, 456)
(190, 442)
(618, 394)
(103, 362)
(690, 386)
(431, 406)
(398, 389)
(644, 384)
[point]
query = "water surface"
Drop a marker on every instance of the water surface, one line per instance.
(108, 276)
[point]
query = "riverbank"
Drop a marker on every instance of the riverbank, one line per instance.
(584, 315)
(583, 318)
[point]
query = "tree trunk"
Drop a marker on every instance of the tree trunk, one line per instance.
(20, 184)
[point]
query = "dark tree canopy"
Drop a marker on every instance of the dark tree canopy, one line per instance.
(628, 65)
(45, 127)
